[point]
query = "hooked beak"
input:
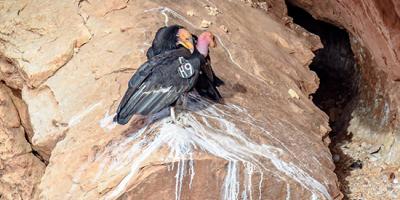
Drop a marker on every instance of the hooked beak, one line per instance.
(185, 39)
(188, 44)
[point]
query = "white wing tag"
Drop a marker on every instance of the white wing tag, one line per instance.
(185, 70)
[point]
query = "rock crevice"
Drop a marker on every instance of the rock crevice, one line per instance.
(20, 169)
(368, 141)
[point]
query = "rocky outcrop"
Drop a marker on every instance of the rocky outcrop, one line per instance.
(267, 140)
(378, 32)
(20, 170)
(374, 27)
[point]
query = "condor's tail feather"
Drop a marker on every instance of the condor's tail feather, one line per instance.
(122, 116)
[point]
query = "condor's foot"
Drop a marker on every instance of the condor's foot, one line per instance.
(173, 116)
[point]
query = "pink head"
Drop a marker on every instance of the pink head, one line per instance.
(206, 39)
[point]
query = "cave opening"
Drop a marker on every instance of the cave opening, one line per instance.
(339, 79)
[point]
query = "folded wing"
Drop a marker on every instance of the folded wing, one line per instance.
(157, 84)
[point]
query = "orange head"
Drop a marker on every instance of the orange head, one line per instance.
(185, 39)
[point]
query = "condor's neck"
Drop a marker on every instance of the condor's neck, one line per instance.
(202, 47)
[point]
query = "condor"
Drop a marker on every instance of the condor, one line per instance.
(163, 79)
(175, 36)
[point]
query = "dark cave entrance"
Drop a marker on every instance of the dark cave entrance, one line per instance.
(339, 79)
(335, 67)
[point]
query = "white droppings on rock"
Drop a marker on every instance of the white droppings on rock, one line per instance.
(206, 128)
(107, 121)
(78, 117)
(192, 172)
(231, 183)
(247, 190)
(180, 173)
(314, 197)
(287, 191)
(165, 10)
(260, 184)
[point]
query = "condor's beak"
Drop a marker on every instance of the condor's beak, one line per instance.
(188, 45)
(185, 39)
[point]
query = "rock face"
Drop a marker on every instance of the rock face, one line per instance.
(378, 31)
(72, 60)
(371, 150)
(20, 170)
(375, 36)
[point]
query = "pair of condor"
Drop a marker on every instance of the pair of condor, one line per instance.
(177, 62)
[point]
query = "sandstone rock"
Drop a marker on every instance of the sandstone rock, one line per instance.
(40, 42)
(205, 24)
(9, 74)
(253, 146)
(20, 170)
(379, 30)
(374, 29)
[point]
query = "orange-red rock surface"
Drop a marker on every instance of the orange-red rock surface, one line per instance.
(71, 60)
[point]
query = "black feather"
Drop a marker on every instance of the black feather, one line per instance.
(166, 40)
(206, 88)
(157, 84)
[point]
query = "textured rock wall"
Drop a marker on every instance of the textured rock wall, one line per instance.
(375, 36)
(72, 61)
(375, 24)
(20, 170)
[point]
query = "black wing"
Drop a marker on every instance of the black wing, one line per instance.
(161, 87)
(209, 72)
(137, 79)
(207, 89)
(208, 82)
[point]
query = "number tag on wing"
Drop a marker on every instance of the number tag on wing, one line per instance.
(185, 70)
